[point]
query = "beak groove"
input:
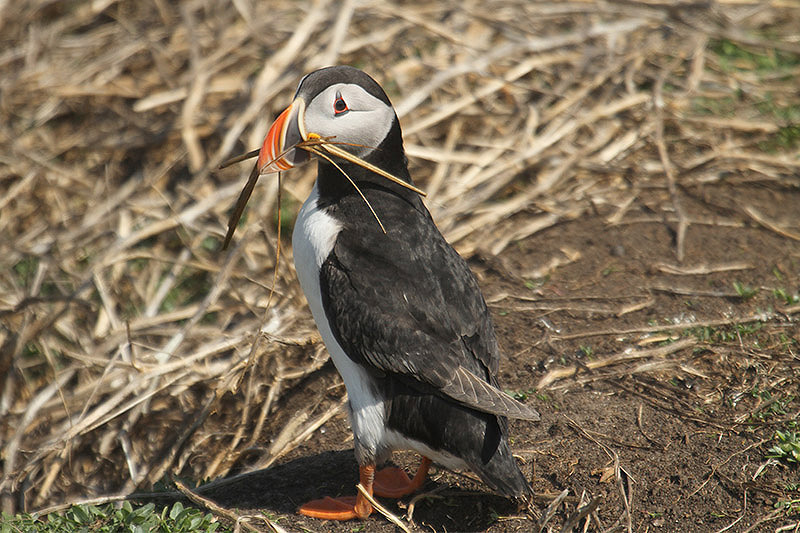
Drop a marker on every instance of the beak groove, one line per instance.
(278, 152)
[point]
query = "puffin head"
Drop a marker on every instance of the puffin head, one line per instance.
(341, 104)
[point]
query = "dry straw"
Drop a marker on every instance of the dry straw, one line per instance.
(128, 336)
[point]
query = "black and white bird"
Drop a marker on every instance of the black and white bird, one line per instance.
(400, 312)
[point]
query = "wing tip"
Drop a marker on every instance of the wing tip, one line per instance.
(528, 413)
(518, 410)
(473, 392)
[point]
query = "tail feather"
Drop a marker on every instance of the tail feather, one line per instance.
(502, 473)
(477, 437)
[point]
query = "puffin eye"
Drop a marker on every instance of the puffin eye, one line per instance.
(339, 105)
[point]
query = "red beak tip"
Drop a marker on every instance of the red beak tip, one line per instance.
(271, 157)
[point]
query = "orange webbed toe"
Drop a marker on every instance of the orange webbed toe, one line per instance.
(393, 482)
(345, 507)
(331, 508)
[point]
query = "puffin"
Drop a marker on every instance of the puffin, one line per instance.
(399, 310)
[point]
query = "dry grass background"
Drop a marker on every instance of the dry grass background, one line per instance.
(132, 347)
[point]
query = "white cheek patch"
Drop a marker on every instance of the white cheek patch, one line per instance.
(365, 125)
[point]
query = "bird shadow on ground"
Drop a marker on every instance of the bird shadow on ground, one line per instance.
(282, 488)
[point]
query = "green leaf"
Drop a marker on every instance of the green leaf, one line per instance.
(176, 511)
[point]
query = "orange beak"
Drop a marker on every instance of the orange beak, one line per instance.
(278, 152)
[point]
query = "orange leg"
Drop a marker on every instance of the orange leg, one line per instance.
(346, 507)
(393, 482)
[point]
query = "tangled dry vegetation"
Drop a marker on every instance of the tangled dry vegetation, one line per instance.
(133, 347)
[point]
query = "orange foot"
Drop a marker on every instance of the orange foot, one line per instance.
(344, 508)
(390, 482)
(328, 508)
(393, 482)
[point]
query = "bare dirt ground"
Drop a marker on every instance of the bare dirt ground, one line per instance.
(623, 177)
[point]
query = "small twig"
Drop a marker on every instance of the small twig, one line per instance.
(777, 513)
(757, 317)
(559, 373)
(382, 510)
(239, 158)
(639, 413)
(703, 268)
(579, 514)
(723, 463)
(756, 215)
(689, 291)
(223, 512)
(794, 528)
(347, 156)
(625, 495)
(419, 497)
(551, 510)
(744, 510)
(241, 202)
(277, 248)
(89, 501)
(683, 221)
(353, 183)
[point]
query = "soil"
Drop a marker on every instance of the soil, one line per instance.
(683, 436)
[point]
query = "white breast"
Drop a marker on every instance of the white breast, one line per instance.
(313, 239)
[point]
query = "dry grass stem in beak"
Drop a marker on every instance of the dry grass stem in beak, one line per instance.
(315, 140)
(239, 158)
(241, 202)
(353, 183)
(315, 144)
(244, 196)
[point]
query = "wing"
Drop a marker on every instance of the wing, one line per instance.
(406, 303)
